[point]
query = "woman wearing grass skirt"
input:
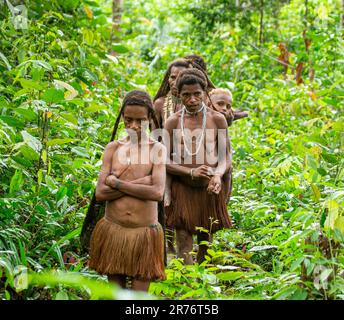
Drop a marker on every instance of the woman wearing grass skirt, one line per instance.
(128, 240)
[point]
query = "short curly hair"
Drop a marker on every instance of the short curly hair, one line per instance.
(221, 91)
(191, 76)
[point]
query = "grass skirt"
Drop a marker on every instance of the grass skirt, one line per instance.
(193, 207)
(136, 252)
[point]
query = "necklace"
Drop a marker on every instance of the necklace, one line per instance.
(200, 137)
(194, 112)
(170, 106)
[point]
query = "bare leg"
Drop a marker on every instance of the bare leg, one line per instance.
(140, 285)
(202, 248)
(118, 279)
(227, 185)
(184, 245)
(169, 232)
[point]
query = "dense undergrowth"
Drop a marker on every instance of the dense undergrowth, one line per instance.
(62, 81)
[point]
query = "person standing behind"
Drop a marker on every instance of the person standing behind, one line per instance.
(166, 101)
(221, 100)
(197, 196)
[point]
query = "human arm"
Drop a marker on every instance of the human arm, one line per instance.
(158, 108)
(103, 191)
(224, 163)
(238, 114)
(118, 194)
(224, 147)
(153, 192)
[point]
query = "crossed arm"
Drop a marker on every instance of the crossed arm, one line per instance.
(147, 188)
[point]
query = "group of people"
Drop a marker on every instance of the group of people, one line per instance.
(183, 171)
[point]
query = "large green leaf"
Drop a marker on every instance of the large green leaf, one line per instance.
(230, 275)
(53, 95)
(55, 142)
(31, 84)
(16, 182)
(333, 211)
(5, 61)
(40, 63)
(31, 141)
(119, 48)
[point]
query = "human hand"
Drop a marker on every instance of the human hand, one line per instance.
(111, 180)
(147, 180)
(230, 116)
(214, 185)
(202, 172)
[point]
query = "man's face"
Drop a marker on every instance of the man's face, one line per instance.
(173, 77)
(192, 96)
(135, 117)
(222, 103)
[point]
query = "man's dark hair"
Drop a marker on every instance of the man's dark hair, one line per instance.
(197, 61)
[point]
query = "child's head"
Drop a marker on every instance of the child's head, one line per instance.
(137, 109)
(222, 101)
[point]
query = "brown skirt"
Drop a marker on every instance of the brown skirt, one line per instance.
(135, 252)
(193, 207)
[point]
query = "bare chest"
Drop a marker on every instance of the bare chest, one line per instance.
(130, 163)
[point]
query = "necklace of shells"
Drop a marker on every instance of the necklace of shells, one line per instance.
(200, 138)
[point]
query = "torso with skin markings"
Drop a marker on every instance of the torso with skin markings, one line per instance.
(129, 211)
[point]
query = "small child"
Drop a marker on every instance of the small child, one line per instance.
(221, 100)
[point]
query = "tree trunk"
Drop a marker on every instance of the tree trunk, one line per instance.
(116, 13)
(261, 22)
(117, 6)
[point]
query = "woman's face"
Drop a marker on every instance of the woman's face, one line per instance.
(173, 77)
(192, 96)
(136, 118)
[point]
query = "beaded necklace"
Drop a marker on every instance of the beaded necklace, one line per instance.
(200, 138)
(168, 107)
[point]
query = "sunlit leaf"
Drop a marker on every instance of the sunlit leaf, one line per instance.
(16, 182)
(53, 95)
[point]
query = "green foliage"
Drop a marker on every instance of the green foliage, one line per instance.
(62, 81)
